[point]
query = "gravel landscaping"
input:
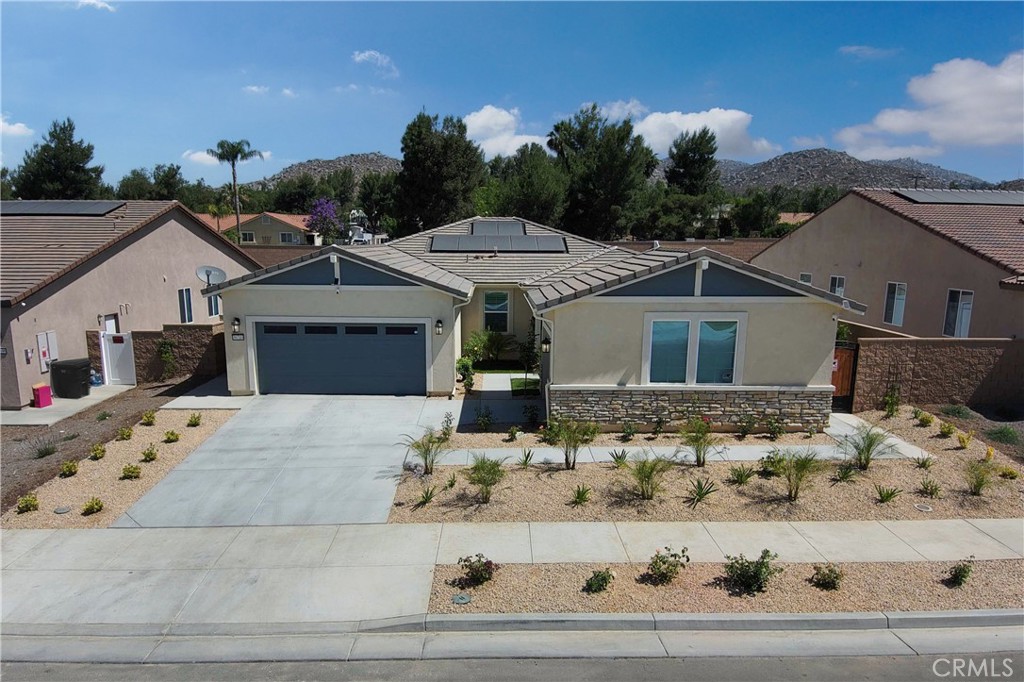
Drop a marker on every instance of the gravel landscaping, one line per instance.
(101, 478)
(973, 421)
(557, 588)
(476, 440)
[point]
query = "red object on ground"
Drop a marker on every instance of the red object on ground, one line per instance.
(41, 396)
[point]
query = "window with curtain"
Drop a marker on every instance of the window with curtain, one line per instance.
(496, 307)
(670, 341)
(716, 352)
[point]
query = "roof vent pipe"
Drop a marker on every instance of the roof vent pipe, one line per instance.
(657, 244)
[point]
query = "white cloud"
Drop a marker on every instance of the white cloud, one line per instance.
(381, 91)
(14, 129)
(199, 157)
(621, 109)
(385, 67)
(962, 102)
(351, 87)
(495, 130)
(98, 4)
(863, 52)
(730, 126)
(256, 89)
(288, 92)
(808, 141)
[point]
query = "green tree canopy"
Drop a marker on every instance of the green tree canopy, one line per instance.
(234, 153)
(377, 195)
(533, 186)
(694, 170)
(606, 164)
(59, 168)
(135, 185)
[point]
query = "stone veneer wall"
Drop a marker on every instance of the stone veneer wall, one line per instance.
(798, 408)
(198, 351)
(940, 371)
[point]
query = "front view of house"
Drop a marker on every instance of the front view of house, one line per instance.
(631, 336)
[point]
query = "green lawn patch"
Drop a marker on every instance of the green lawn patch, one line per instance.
(522, 386)
(497, 366)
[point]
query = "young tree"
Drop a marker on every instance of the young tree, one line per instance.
(693, 170)
(296, 195)
(59, 168)
(323, 220)
(168, 182)
(135, 185)
(234, 153)
(533, 186)
(376, 198)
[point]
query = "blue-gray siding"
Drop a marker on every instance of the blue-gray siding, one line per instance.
(678, 282)
(322, 272)
(719, 281)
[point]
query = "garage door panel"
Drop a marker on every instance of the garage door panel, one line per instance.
(341, 358)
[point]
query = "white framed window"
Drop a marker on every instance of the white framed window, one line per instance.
(497, 311)
(958, 313)
(837, 285)
(248, 237)
(213, 305)
(895, 302)
(806, 277)
(185, 305)
(694, 348)
(288, 238)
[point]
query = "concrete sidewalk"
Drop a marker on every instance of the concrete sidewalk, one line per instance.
(62, 408)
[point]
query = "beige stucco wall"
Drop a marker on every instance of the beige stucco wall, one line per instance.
(138, 280)
(473, 314)
(600, 343)
(871, 246)
(269, 234)
(311, 303)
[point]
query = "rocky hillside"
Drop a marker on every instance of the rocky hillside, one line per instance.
(361, 164)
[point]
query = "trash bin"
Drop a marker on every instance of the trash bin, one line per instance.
(70, 378)
(41, 396)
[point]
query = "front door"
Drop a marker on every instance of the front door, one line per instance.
(118, 358)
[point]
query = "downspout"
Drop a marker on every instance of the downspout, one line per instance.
(551, 361)
(459, 350)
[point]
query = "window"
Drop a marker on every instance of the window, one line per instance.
(360, 329)
(400, 331)
(806, 277)
(320, 329)
(185, 305)
(213, 305)
(264, 220)
(694, 348)
(837, 285)
(669, 350)
(280, 329)
(716, 352)
(895, 301)
(288, 238)
(248, 237)
(496, 311)
(958, 313)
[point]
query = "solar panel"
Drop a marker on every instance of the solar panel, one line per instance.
(499, 243)
(484, 227)
(59, 208)
(472, 242)
(480, 243)
(971, 197)
(551, 243)
(523, 243)
(445, 242)
(497, 228)
(511, 229)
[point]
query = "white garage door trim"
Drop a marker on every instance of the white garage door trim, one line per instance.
(250, 337)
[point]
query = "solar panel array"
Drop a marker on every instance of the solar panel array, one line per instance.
(956, 196)
(498, 228)
(81, 208)
(469, 243)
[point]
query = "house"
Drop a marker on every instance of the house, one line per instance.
(71, 267)
(265, 229)
(929, 263)
(629, 336)
(744, 248)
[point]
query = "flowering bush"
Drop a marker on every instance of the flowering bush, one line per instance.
(664, 568)
(479, 569)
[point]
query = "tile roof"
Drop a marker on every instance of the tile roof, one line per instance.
(227, 222)
(788, 218)
(39, 249)
(995, 233)
(504, 267)
(744, 248)
(273, 254)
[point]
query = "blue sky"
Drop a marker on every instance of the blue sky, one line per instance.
(159, 82)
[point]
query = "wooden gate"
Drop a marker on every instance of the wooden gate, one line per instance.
(842, 370)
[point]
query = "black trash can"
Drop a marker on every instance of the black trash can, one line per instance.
(70, 377)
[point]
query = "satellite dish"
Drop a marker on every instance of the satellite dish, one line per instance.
(211, 274)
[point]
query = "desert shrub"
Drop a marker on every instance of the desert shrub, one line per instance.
(485, 474)
(811, 432)
(946, 430)
(28, 502)
(845, 473)
(103, 416)
(924, 462)
(148, 418)
(748, 576)
(647, 473)
(930, 488)
(925, 419)
(916, 413)
(620, 459)
(886, 494)
(130, 472)
(525, 458)
(428, 448)
(124, 433)
(746, 425)
(69, 437)
(68, 468)
(960, 572)
(700, 489)
(964, 439)
(165, 349)
(740, 474)
(774, 427)
(698, 437)
(797, 468)
(978, 477)
(478, 569)
(513, 433)
(599, 581)
(426, 495)
(629, 431)
(1008, 472)
(891, 400)
(570, 436)
(865, 445)
(450, 483)
(97, 451)
(658, 426)
(580, 496)
(665, 566)
(771, 464)
(149, 454)
(194, 420)
(1004, 434)
(827, 577)
(484, 418)
(93, 506)
(171, 436)
(990, 453)
(958, 411)
(447, 427)
(44, 446)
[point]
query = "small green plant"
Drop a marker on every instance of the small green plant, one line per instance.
(44, 446)
(570, 436)
(827, 577)
(774, 427)
(479, 570)
(485, 474)
(68, 468)
(797, 468)
(698, 438)
(124, 433)
(665, 566)
(165, 349)
(1008, 472)
(513, 433)
(67, 438)
(930, 488)
(741, 474)
(1004, 434)
(700, 489)
(629, 431)
(658, 426)
(925, 419)
(843, 332)
(958, 411)
(428, 448)
(426, 495)
(946, 430)
(525, 458)
(845, 473)
(961, 572)
(148, 418)
(747, 576)
(771, 464)
(964, 439)
(531, 413)
(130, 472)
(886, 494)
(924, 462)
(811, 432)
(171, 436)
(866, 445)
(149, 454)
(647, 474)
(93, 506)
(620, 459)
(746, 425)
(580, 496)
(978, 476)
(599, 581)
(447, 427)
(891, 400)
(916, 413)
(194, 420)
(28, 503)
(103, 416)
(484, 418)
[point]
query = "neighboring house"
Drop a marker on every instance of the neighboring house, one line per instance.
(71, 267)
(631, 336)
(272, 255)
(786, 218)
(266, 229)
(743, 248)
(929, 263)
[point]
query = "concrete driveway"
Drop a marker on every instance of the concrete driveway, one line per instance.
(290, 460)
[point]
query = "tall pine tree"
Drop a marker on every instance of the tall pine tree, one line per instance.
(59, 168)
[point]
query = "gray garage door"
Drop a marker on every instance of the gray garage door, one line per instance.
(341, 358)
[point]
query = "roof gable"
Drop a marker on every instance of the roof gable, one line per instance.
(321, 272)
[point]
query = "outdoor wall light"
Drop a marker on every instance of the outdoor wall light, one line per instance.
(439, 327)
(236, 325)
(99, 320)
(545, 345)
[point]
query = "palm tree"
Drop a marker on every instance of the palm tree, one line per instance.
(217, 211)
(233, 153)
